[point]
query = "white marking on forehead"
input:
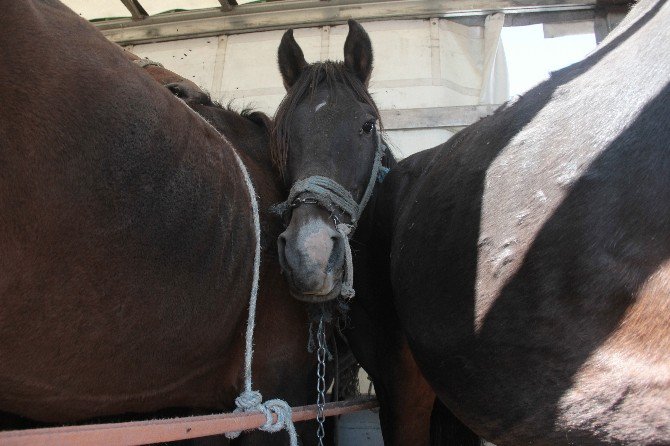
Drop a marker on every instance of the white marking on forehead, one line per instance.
(316, 109)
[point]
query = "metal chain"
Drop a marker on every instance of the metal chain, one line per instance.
(321, 380)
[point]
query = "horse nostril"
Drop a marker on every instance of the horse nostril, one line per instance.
(281, 251)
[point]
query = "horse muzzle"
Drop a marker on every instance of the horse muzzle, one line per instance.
(311, 255)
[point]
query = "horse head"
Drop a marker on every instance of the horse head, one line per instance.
(189, 92)
(327, 146)
(184, 89)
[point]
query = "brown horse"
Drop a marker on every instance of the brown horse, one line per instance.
(127, 239)
(292, 374)
(527, 256)
(181, 87)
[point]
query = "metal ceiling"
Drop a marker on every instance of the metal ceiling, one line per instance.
(141, 9)
(143, 21)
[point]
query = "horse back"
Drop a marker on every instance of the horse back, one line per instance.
(125, 225)
(529, 258)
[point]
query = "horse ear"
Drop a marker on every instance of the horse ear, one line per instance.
(358, 52)
(291, 60)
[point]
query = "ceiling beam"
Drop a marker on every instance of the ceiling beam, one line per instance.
(308, 13)
(136, 10)
(438, 117)
(227, 5)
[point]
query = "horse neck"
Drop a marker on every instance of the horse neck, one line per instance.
(373, 239)
(250, 137)
(248, 133)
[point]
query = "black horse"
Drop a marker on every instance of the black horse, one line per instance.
(328, 120)
(525, 259)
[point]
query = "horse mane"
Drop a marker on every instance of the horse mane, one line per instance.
(257, 117)
(332, 73)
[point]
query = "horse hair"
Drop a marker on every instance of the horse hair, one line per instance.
(312, 76)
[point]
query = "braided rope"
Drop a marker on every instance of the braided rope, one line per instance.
(347, 288)
(374, 175)
(325, 190)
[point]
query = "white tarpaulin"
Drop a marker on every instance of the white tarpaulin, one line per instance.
(418, 64)
(105, 9)
(97, 9)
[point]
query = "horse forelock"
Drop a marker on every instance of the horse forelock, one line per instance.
(335, 75)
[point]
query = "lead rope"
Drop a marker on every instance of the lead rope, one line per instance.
(252, 400)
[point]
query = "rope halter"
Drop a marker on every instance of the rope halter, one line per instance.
(328, 193)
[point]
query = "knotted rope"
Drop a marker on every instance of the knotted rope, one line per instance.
(252, 400)
(249, 399)
(327, 192)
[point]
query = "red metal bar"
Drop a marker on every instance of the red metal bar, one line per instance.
(156, 431)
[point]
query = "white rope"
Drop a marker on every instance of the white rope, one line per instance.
(251, 400)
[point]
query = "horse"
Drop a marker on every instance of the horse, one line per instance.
(127, 239)
(525, 259)
(328, 126)
(292, 376)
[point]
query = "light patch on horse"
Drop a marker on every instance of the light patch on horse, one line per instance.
(316, 242)
(318, 107)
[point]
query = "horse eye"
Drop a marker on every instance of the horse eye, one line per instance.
(368, 126)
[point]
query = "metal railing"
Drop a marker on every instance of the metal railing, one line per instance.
(156, 431)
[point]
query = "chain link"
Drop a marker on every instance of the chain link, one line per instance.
(321, 381)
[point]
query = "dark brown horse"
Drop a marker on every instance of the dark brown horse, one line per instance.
(127, 239)
(328, 126)
(528, 256)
